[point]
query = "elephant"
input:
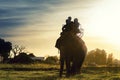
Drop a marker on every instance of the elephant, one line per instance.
(72, 51)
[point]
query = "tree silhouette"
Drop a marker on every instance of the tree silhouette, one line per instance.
(5, 48)
(17, 50)
(31, 55)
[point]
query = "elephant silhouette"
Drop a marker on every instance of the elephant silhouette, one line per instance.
(72, 52)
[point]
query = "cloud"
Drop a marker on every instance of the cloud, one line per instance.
(36, 21)
(18, 13)
(5, 35)
(13, 22)
(15, 13)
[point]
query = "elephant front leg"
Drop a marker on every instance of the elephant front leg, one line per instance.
(80, 64)
(61, 67)
(68, 68)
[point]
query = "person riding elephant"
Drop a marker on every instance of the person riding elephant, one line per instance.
(67, 26)
(76, 26)
(71, 26)
(72, 48)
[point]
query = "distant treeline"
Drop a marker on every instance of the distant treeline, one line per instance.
(100, 57)
(95, 57)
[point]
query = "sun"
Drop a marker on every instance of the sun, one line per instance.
(102, 29)
(104, 21)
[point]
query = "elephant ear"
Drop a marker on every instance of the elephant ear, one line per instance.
(57, 45)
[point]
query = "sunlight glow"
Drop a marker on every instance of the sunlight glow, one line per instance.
(105, 21)
(104, 24)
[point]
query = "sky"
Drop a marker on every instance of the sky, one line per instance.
(36, 24)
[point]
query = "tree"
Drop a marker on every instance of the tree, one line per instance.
(17, 50)
(31, 55)
(5, 48)
(51, 59)
(90, 57)
(110, 59)
(96, 56)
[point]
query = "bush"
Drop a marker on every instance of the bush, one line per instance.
(22, 58)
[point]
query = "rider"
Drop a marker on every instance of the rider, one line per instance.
(67, 27)
(76, 26)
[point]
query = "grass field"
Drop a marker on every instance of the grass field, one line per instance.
(51, 72)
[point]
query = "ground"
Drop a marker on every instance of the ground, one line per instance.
(51, 72)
